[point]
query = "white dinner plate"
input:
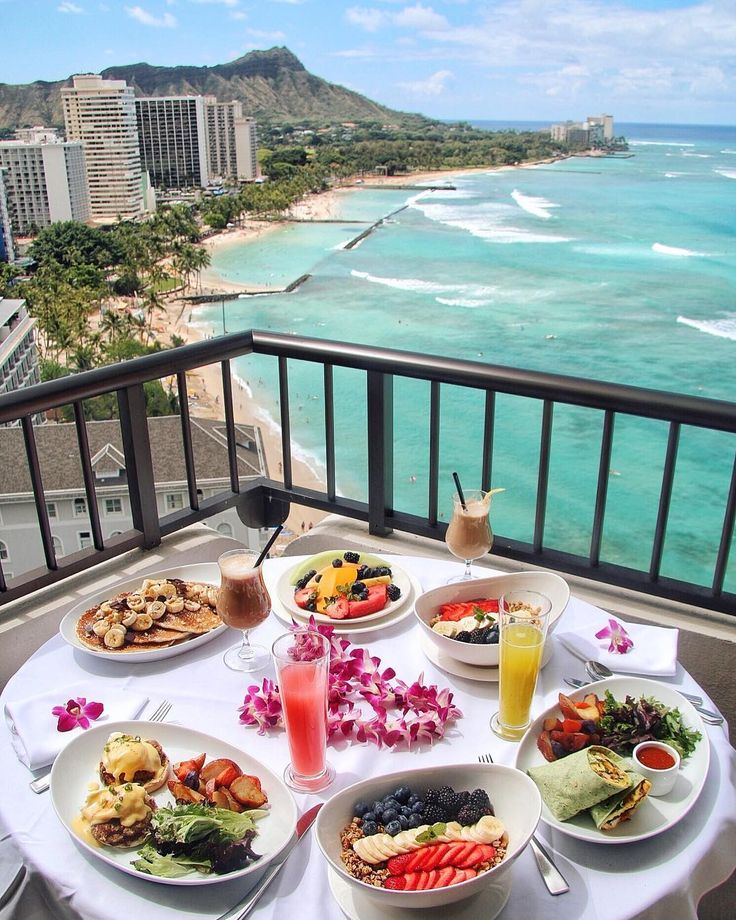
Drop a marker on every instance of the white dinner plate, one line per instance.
(392, 613)
(655, 814)
(470, 671)
(203, 573)
(76, 766)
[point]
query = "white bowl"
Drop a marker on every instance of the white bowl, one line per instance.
(515, 799)
(428, 605)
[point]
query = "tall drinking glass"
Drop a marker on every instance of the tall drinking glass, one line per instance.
(469, 534)
(302, 659)
(243, 602)
(523, 621)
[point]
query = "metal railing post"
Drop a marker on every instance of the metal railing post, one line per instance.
(380, 397)
(139, 463)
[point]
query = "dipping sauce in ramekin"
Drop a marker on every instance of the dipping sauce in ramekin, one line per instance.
(659, 763)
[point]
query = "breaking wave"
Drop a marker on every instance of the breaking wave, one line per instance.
(722, 328)
(476, 292)
(726, 173)
(658, 144)
(539, 207)
(674, 250)
(490, 221)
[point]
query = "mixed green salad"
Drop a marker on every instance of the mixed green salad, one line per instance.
(198, 837)
(623, 725)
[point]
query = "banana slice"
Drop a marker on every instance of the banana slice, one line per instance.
(166, 590)
(114, 639)
(156, 609)
(135, 602)
(130, 618)
(142, 622)
(192, 606)
(100, 627)
(212, 597)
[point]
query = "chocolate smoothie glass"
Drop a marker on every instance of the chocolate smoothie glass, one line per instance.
(243, 602)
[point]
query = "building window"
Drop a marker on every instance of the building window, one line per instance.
(113, 506)
(174, 501)
(4, 554)
(225, 529)
(58, 546)
(80, 507)
(51, 509)
(85, 539)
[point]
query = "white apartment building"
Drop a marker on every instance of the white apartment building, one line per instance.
(101, 114)
(38, 134)
(66, 499)
(18, 356)
(232, 140)
(44, 183)
(172, 134)
(605, 121)
(7, 248)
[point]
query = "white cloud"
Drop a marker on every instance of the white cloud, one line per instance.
(222, 2)
(167, 21)
(421, 18)
(67, 7)
(432, 86)
(238, 15)
(369, 19)
(267, 36)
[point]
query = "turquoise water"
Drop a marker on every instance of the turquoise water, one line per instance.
(616, 269)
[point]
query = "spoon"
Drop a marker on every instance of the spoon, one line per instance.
(598, 671)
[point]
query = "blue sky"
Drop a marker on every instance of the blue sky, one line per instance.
(642, 60)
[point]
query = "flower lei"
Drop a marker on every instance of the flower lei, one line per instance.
(420, 713)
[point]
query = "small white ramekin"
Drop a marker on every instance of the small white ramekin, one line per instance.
(662, 780)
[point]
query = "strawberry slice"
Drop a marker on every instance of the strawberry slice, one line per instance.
(446, 875)
(433, 878)
(412, 881)
(455, 612)
(396, 882)
(464, 855)
(425, 858)
(398, 865)
(304, 596)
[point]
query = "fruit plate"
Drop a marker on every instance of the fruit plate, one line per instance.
(392, 612)
(204, 573)
(76, 767)
(457, 668)
(655, 815)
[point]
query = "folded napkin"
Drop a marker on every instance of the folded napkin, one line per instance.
(654, 651)
(33, 729)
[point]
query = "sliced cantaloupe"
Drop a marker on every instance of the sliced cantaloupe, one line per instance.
(331, 578)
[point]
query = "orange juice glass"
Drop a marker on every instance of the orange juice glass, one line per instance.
(523, 622)
(302, 660)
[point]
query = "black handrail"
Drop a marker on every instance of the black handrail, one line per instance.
(381, 366)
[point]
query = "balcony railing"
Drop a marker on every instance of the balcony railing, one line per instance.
(264, 500)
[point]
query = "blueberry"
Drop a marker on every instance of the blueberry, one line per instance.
(406, 810)
(390, 802)
(357, 587)
(370, 828)
(418, 807)
(360, 808)
(412, 799)
(337, 563)
(389, 816)
(415, 821)
(404, 822)
(558, 750)
(393, 828)
(402, 794)
(369, 816)
(377, 807)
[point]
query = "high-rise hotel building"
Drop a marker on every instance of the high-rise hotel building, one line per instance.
(232, 140)
(44, 183)
(172, 133)
(101, 114)
(7, 247)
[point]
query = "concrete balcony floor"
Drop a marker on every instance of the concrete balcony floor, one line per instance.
(707, 647)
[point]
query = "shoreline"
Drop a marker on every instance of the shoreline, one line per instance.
(205, 384)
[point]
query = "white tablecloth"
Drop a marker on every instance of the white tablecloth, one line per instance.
(662, 877)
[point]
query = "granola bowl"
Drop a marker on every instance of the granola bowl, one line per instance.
(516, 803)
(428, 605)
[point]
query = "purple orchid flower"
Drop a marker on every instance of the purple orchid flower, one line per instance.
(77, 712)
(619, 638)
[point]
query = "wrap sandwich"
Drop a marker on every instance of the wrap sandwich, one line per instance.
(621, 806)
(579, 781)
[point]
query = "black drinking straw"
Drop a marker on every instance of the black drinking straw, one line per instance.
(267, 547)
(459, 491)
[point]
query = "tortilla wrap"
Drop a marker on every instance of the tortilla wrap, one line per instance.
(621, 806)
(579, 781)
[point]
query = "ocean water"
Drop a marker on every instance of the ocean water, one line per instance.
(614, 269)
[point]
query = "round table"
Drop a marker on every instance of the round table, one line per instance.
(663, 877)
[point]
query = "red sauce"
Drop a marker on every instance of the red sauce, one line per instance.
(656, 758)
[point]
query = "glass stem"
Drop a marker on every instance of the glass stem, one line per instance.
(468, 574)
(246, 651)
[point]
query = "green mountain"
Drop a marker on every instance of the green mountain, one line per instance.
(273, 86)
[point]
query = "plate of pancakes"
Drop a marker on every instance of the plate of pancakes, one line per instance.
(149, 617)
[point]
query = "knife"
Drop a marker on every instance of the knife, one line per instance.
(244, 907)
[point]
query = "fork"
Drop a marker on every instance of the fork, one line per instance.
(551, 875)
(42, 783)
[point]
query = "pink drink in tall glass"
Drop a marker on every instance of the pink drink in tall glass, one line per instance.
(302, 659)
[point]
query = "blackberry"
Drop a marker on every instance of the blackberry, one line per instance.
(351, 557)
(446, 798)
(382, 570)
(431, 796)
(394, 592)
(477, 636)
(337, 563)
(480, 802)
(463, 636)
(468, 815)
(461, 800)
(434, 813)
